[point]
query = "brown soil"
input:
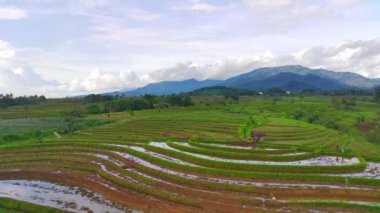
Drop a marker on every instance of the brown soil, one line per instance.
(365, 127)
(123, 197)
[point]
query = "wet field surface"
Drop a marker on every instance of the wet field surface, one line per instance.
(72, 199)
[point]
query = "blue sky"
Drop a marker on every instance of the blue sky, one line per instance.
(69, 47)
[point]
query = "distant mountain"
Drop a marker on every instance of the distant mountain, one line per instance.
(171, 87)
(220, 90)
(346, 78)
(291, 77)
(291, 82)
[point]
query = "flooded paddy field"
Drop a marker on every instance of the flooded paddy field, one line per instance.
(73, 199)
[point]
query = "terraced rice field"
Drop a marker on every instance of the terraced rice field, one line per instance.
(106, 169)
(189, 160)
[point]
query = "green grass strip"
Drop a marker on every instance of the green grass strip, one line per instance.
(21, 206)
(240, 150)
(243, 156)
(334, 204)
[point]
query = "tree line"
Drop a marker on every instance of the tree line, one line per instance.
(8, 100)
(119, 104)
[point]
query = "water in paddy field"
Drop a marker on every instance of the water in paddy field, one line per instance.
(73, 199)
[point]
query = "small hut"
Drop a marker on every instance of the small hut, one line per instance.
(258, 136)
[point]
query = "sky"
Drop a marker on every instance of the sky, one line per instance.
(62, 48)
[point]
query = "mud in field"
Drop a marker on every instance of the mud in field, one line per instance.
(73, 199)
(231, 181)
(372, 171)
(164, 157)
(365, 126)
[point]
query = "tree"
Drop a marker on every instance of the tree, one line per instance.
(298, 115)
(94, 109)
(186, 101)
(275, 91)
(9, 100)
(42, 98)
(97, 98)
(140, 103)
(377, 94)
(246, 128)
(71, 117)
(179, 100)
(151, 99)
(313, 118)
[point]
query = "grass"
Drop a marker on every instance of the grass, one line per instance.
(9, 205)
(343, 205)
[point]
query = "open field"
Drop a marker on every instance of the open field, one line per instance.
(192, 159)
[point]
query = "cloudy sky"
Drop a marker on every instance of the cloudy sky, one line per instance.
(69, 47)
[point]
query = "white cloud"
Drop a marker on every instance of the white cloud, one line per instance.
(362, 57)
(221, 69)
(359, 56)
(198, 6)
(6, 51)
(266, 5)
(11, 13)
(100, 81)
(16, 77)
(23, 77)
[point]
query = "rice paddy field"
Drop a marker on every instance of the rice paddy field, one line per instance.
(192, 159)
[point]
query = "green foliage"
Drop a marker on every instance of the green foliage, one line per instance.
(9, 100)
(94, 109)
(313, 118)
(227, 92)
(245, 129)
(374, 135)
(93, 98)
(345, 205)
(73, 115)
(377, 94)
(298, 115)
(276, 91)
(140, 103)
(23, 129)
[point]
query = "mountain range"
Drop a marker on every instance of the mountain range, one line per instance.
(292, 78)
